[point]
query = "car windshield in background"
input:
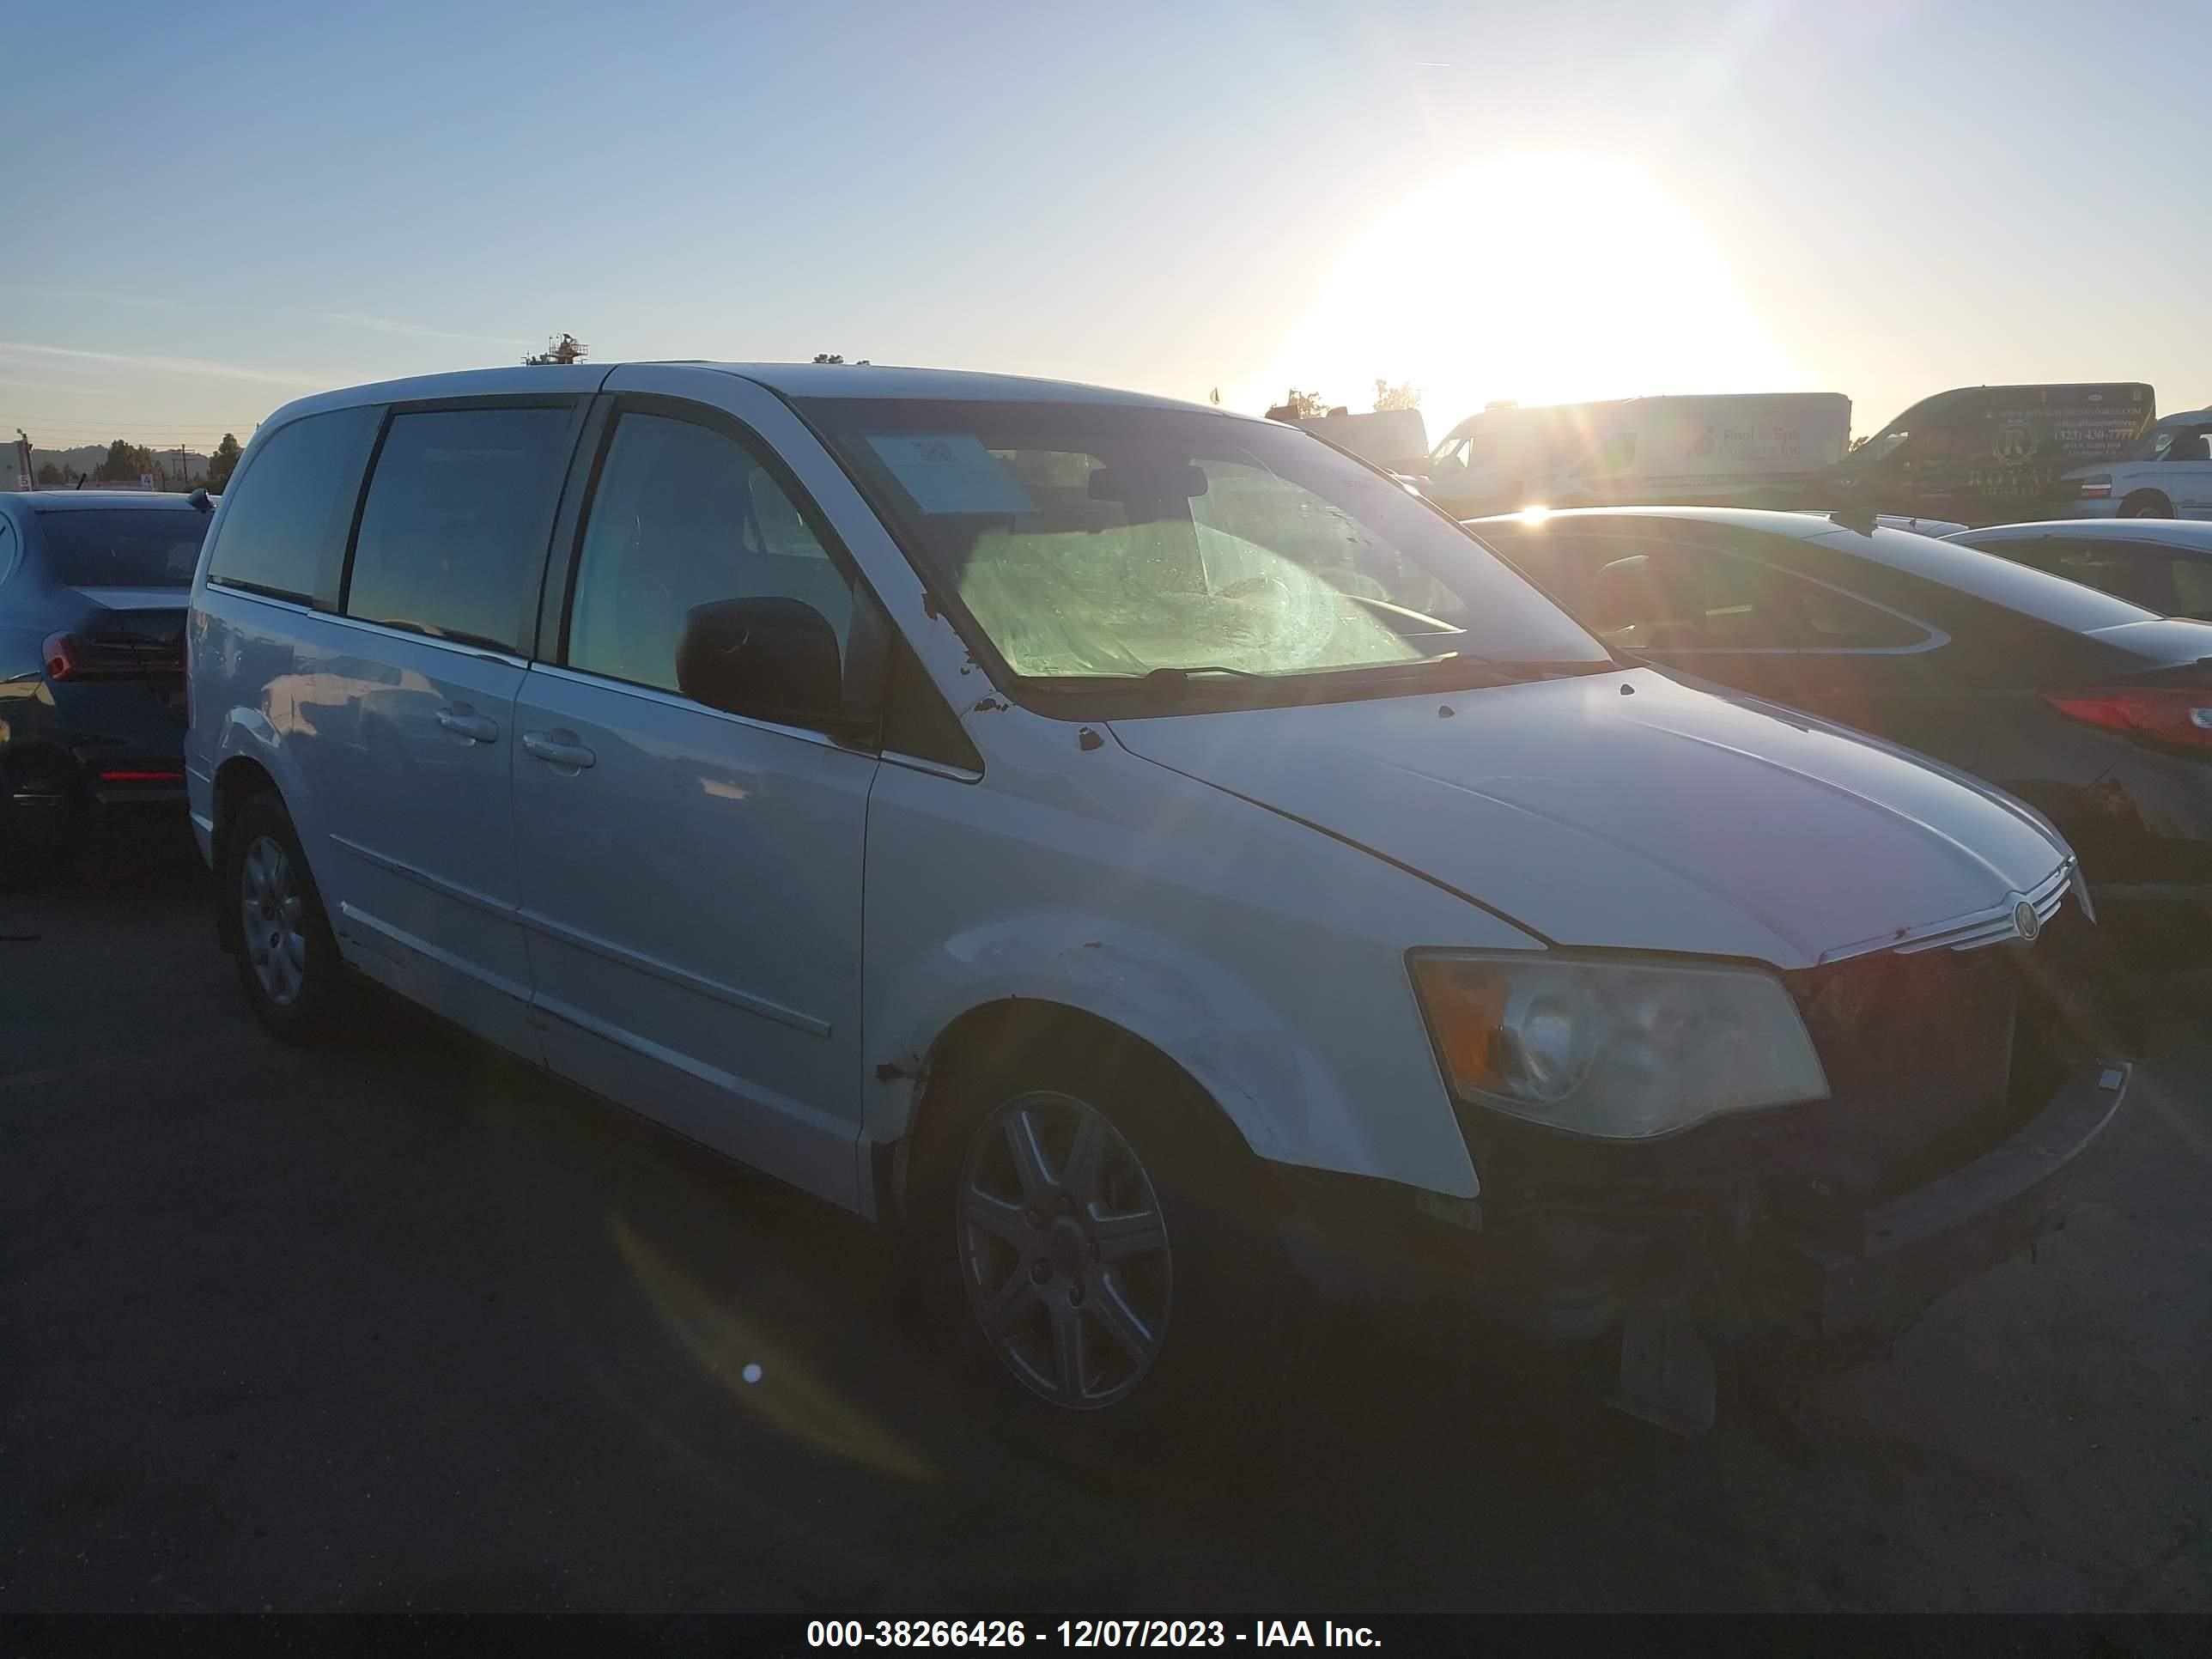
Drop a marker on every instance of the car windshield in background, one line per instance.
(1117, 542)
(123, 546)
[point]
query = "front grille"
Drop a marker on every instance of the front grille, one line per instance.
(1918, 1053)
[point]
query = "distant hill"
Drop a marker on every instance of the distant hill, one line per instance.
(88, 458)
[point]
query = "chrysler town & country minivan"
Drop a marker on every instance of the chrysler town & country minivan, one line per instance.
(1143, 850)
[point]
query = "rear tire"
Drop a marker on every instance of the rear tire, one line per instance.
(1103, 1256)
(2145, 504)
(41, 819)
(288, 958)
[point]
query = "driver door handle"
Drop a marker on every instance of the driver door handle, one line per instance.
(558, 748)
(463, 721)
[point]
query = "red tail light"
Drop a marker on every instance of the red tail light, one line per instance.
(78, 657)
(61, 658)
(2178, 715)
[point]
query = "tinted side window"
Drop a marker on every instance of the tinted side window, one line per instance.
(1654, 595)
(453, 533)
(2138, 573)
(285, 519)
(2192, 588)
(684, 514)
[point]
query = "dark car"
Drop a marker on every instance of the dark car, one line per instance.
(2095, 711)
(2164, 565)
(93, 589)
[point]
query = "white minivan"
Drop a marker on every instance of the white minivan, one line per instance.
(1140, 849)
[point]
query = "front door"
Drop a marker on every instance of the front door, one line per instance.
(1728, 615)
(691, 878)
(2186, 474)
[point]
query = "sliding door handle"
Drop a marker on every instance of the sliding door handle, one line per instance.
(558, 748)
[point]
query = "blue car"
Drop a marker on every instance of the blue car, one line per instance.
(93, 589)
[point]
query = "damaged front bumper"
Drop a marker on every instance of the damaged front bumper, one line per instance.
(1825, 1281)
(1745, 1248)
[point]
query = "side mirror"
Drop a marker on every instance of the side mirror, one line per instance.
(770, 658)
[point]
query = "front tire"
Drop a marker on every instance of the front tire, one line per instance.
(1101, 1249)
(288, 959)
(2145, 504)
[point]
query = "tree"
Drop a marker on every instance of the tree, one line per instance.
(1403, 395)
(125, 464)
(50, 474)
(828, 357)
(223, 463)
(1299, 406)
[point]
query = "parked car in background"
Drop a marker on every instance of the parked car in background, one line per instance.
(1984, 454)
(1753, 449)
(2095, 711)
(93, 589)
(2168, 474)
(1141, 850)
(2163, 565)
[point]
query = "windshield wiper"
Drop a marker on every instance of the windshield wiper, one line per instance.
(1165, 676)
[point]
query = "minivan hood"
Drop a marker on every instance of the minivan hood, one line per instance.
(1628, 810)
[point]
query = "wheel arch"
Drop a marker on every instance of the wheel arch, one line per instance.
(2147, 503)
(1265, 1078)
(1051, 1026)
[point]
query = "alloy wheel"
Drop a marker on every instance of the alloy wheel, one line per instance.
(272, 920)
(1064, 1250)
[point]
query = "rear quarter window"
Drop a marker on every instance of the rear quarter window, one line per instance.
(286, 516)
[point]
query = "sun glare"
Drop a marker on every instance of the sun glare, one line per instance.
(1535, 280)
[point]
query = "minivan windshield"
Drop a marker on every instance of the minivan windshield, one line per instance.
(122, 546)
(1094, 542)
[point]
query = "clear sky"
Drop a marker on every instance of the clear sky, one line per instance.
(215, 209)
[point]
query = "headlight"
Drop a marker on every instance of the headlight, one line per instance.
(1619, 1049)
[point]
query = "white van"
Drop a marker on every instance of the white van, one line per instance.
(1748, 450)
(1140, 850)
